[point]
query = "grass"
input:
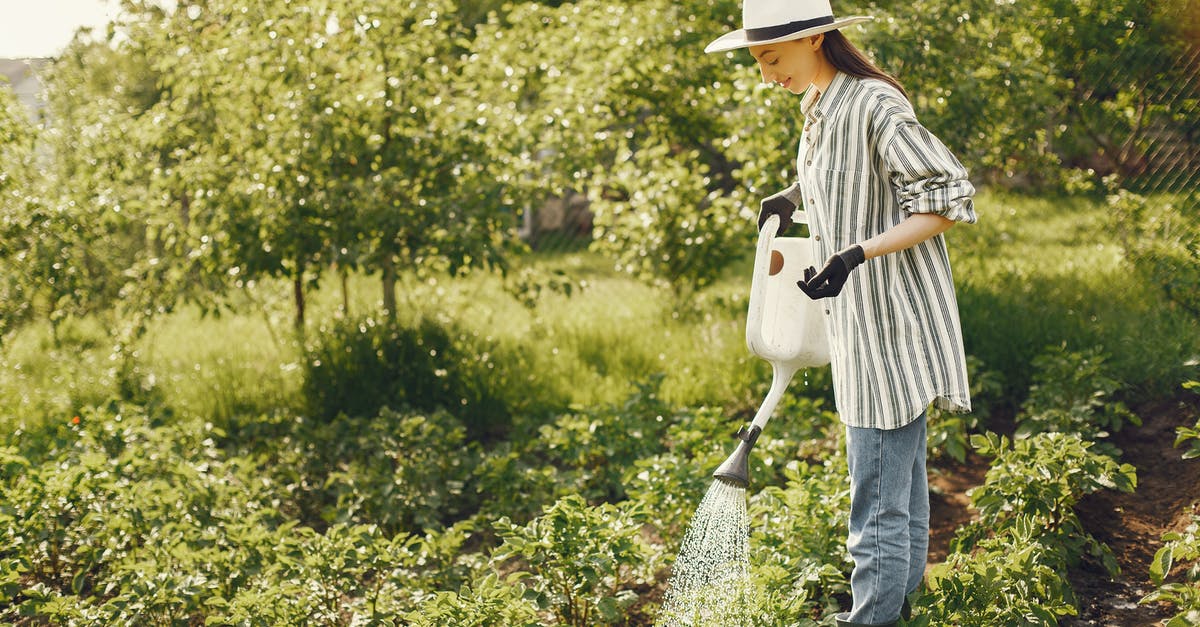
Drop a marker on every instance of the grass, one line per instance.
(1034, 272)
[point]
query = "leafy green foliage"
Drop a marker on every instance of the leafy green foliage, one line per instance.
(1011, 578)
(800, 547)
(595, 448)
(489, 600)
(1161, 238)
(1081, 102)
(392, 140)
(1189, 435)
(1073, 393)
(1040, 479)
(400, 471)
(357, 367)
(582, 560)
(135, 520)
(1178, 548)
(20, 216)
(578, 112)
(1010, 566)
(948, 433)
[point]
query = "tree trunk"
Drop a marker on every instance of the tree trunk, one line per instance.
(298, 295)
(345, 291)
(389, 286)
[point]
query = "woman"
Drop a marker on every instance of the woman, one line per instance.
(879, 191)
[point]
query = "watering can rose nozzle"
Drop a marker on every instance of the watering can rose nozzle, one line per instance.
(736, 468)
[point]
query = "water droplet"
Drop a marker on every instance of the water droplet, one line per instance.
(711, 577)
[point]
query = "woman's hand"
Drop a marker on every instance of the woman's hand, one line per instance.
(830, 280)
(780, 204)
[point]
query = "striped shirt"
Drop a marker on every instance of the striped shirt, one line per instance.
(865, 164)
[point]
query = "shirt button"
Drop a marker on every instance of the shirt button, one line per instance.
(812, 201)
(817, 237)
(809, 162)
(827, 312)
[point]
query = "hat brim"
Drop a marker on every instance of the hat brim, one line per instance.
(737, 39)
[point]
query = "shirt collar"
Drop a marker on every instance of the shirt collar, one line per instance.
(818, 105)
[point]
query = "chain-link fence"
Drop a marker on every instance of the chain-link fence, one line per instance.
(1156, 203)
(1166, 135)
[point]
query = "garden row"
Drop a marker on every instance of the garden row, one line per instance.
(130, 514)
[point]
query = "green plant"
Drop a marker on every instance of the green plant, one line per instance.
(489, 600)
(593, 449)
(1185, 594)
(1073, 392)
(1162, 242)
(799, 540)
(581, 560)
(1189, 435)
(402, 471)
(357, 367)
(131, 517)
(1011, 578)
(1041, 478)
(948, 433)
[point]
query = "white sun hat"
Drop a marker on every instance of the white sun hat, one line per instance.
(773, 21)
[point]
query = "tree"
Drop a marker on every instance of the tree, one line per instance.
(21, 216)
(620, 100)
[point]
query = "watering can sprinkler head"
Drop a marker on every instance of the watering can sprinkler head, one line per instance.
(736, 468)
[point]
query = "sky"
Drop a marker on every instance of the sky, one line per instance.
(42, 28)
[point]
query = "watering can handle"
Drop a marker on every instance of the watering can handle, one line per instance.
(758, 281)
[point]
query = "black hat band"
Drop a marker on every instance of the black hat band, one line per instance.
(783, 30)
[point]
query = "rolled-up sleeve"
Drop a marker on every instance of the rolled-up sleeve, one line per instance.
(927, 177)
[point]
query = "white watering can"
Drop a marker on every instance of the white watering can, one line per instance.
(783, 326)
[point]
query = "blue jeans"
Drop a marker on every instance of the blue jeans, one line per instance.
(889, 518)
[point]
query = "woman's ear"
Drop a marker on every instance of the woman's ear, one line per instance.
(816, 41)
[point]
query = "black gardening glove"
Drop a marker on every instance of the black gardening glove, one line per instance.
(829, 281)
(777, 205)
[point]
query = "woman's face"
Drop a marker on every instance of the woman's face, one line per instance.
(793, 64)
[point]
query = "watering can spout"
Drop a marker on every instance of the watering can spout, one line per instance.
(736, 468)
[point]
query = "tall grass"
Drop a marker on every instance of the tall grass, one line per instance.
(218, 368)
(1037, 272)
(48, 379)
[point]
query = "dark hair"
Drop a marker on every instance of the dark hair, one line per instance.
(849, 59)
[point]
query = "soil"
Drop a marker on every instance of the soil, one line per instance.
(1132, 525)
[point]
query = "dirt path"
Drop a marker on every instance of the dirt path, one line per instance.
(1132, 525)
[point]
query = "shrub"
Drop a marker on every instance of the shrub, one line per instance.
(1162, 243)
(799, 542)
(358, 367)
(489, 600)
(1073, 392)
(1010, 566)
(669, 486)
(132, 518)
(344, 575)
(402, 471)
(593, 449)
(1041, 479)
(581, 561)
(1011, 578)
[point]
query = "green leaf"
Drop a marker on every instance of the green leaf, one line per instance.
(1161, 566)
